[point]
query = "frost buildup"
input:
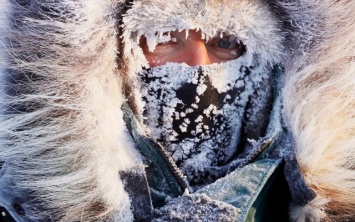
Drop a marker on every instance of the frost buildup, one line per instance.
(197, 112)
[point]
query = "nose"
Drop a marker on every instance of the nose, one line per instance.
(197, 53)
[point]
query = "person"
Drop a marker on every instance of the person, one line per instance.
(188, 110)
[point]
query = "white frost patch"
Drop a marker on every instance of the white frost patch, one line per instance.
(201, 89)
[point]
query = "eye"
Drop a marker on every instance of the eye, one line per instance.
(226, 48)
(225, 44)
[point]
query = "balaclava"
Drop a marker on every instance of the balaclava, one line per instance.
(204, 116)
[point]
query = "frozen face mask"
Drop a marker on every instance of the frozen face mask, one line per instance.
(199, 113)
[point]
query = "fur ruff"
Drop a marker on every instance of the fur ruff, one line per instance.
(319, 101)
(71, 147)
(68, 148)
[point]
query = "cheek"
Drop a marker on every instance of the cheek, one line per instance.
(157, 59)
(153, 60)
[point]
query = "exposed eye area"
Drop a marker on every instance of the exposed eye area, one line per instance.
(190, 47)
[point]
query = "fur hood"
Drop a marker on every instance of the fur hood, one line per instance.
(64, 69)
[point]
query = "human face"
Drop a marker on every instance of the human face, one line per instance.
(192, 50)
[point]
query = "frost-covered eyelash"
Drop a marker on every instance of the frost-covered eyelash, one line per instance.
(158, 38)
(161, 37)
(230, 38)
(164, 37)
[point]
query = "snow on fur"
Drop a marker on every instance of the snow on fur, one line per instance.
(319, 101)
(71, 153)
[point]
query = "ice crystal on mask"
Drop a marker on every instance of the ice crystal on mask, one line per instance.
(197, 113)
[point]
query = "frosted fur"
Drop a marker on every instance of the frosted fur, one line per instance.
(4, 12)
(313, 211)
(319, 100)
(81, 134)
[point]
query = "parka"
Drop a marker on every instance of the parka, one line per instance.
(74, 146)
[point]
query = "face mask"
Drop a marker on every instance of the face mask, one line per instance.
(199, 113)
